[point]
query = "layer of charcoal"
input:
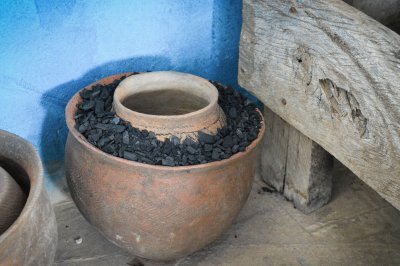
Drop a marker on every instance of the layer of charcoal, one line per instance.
(102, 128)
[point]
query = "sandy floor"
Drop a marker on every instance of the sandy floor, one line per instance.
(357, 227)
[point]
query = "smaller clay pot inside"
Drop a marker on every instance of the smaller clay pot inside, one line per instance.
(169, 104)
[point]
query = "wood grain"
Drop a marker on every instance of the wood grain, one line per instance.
(338, 71)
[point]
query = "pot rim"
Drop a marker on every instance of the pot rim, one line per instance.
(164, 125)
(211, 103)
(70, 111)
(35, 184)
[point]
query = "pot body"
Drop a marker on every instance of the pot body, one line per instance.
(32, 238)
(156, 212)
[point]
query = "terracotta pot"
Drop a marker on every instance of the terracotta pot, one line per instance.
(156, 212)
(169, 103)
(32, 238)
(12, 200)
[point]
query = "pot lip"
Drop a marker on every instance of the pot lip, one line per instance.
(35, 189)
(71, 110)
(206, 109)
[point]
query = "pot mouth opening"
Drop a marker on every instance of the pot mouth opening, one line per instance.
(165, 96)
(165, 102)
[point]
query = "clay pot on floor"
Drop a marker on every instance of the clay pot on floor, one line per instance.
(31, 239)
(156, 212)
(12, 200)
(169, 104)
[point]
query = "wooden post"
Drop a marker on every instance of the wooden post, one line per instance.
(295, 165)
(331, 72)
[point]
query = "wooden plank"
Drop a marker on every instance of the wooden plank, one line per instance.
(294, 165)
(274, 150)
(332, 72)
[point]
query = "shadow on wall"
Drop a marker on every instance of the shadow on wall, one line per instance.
(54, 101)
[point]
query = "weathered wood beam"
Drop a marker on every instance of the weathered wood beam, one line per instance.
(295, 165)
(338, 73)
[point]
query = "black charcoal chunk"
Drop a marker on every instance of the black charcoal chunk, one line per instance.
(205, 138)
(130, 156)
(125, 137)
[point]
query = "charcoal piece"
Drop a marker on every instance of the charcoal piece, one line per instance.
(233, 113)
(158, 160)
(115, 120)
(85, 94)
(208, 147)
(103, 126)
(121, 152)
(228, 151)
(168, 161)
(175, 151)
(191, 158)
(82, 128)
(144, 133)
(154, 143)
(103, 141)
(118, 128)
(142, 154)
(184, 159)
(228, 142)
(191, 150)
(205, 138)
(152, 135)
(95, 134)
(130, 156)
(235, 148)
(96, 92)
(108, 103)
(175, 140)
(104, 94)
(215, 154)
(78, 116)
(189, 142)
(109, 148)
(239, 133)
(125, 137)
(87, 105)
(146, 160)
(223, 132)
(147, 146)
(245, 115)
(218, 142)
(167, 147)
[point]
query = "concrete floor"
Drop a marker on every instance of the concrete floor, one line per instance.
(357, 227)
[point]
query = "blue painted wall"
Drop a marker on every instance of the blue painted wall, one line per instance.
(51, 49)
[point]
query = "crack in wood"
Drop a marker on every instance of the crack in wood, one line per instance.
(343, 104)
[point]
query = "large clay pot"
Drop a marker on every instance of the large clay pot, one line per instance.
(156, 212)
(169, 104)
(32, 238)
